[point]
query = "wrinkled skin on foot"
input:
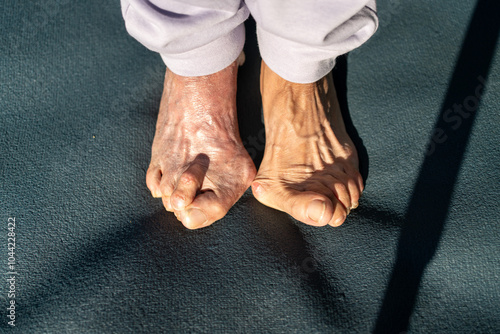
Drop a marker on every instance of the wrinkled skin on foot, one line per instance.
(310, 165)
(199, 166)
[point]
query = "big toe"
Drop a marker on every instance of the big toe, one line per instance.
(206, 208)
(307, 206)
(316, 210)
(194, 218)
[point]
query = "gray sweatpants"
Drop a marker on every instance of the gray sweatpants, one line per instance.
(298, 39)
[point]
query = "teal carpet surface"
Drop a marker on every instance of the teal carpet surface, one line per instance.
(95, 253)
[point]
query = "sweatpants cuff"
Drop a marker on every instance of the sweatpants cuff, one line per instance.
(302, 63)
(210, 58)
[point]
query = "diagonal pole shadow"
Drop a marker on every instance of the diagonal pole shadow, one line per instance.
(429, 204)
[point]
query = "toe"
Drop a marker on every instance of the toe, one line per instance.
(166, 186)
(339, 215)
(355, 185)
(194, 218)
(188, 185)
(359, 180)
(308, 207)
(346, 190)
(206, 208)
(341, 192)
(311, 208)
(166, 191)
(354, 192)
(316, 210)
(153, 178)
(166, 203)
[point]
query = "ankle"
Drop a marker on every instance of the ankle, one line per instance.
(228, 73)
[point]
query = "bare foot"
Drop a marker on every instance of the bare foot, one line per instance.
(310, 165)
(199, 166)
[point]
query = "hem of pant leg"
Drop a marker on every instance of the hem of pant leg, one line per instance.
(301, 63)
(210, 58)
(290, 61)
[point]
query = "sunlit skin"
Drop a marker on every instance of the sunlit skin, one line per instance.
(200, 168)
(310, 165)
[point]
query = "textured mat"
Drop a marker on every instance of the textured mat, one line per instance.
(94, 253)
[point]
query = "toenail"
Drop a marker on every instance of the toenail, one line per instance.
(355, 205)
(316, 210)
(196, 217)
